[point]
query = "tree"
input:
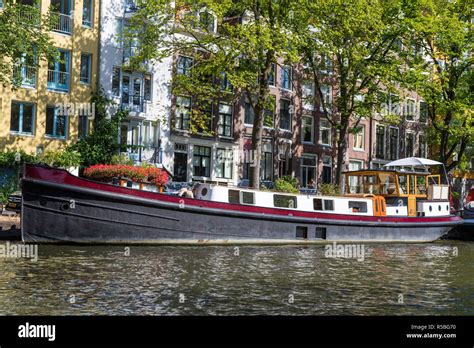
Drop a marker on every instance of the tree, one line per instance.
(23, 37)
(251, 36)
(359, 39)
(441, 61)
(102, 144)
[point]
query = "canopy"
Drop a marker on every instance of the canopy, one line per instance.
(412, 162)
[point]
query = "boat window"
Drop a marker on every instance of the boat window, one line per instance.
(302, 232)
(234, 196)
(402, 182)
(421, 185)
(320, 232)
(248, 197)
(281, 201)
(358, 207)
(317, 204)
(328, 204)
(388, 182)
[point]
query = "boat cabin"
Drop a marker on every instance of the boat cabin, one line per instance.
(368, 192)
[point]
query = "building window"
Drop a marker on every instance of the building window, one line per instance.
(307, 129)
(118, 37)
(225, 120)
(286, 77)
(25, 70)
(326, 176)
(421, 145)
(203, 123)
(410, 145)
(207, 21)
(380, 142)
(116, 81)
(354, 181)
(324, 132)
(58, 72)
(308, 171)
(147, 88)
(249, 114)
(410, 110)
(326, 91)
(149, 135)
(87, 9)
(56, 124)
(326, 64)
(359, 139)
(183, 112)
(272, 75)
(83, 126)
(225, 83)
(393, 150)
(308, 95)
(86, 64)
(184, 65)
(202, 161)
(285, 115)
(22, 118)
(225, 163)
(423, 111)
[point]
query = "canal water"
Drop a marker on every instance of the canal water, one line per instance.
(392, 279)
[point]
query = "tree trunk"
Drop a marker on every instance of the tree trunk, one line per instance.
(341, 150)
(256, 155)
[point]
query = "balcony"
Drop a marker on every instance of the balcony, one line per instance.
(61, 23)
(58, 80)
(135, 105)
(25, 75)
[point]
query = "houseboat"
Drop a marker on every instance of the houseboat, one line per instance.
(377, 206)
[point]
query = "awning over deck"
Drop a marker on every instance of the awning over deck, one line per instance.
(413, 162)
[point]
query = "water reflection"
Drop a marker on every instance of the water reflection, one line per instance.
(215, 281)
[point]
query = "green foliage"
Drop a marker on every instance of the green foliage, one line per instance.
(102, 144)
(63, 159)
(329, 190)
(6, 190)
(24, 34)
(12, 158)
(121, 159)
(441, 71)
(287, 184)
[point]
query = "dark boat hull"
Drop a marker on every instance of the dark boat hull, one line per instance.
(59, 212)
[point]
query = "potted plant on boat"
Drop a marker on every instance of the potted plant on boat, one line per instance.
(145, 177)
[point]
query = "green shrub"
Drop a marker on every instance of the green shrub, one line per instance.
(6, 190)
(287, 184)
(330, 190)
(121, 159)
(64, 159)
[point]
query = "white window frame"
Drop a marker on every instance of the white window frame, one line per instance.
(328, 128)
(303, 127)
(357, 136)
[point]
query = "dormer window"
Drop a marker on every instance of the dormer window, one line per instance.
(207, 21)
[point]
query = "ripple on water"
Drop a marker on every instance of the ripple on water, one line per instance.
(290, 280)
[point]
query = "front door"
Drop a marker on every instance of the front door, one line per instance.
(180, 167)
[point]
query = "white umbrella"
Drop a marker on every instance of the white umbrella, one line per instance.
(413, 162)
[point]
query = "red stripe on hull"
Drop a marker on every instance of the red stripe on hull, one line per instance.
(60, 176)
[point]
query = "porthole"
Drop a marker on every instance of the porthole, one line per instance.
(396, 211)
(431, 208)
(447, 208)
(65, 207)
(439, 207)
(204, 191)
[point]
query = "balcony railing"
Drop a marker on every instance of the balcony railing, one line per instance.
(134, 103)
(25, 75)
(58, 80)
(62, 23)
